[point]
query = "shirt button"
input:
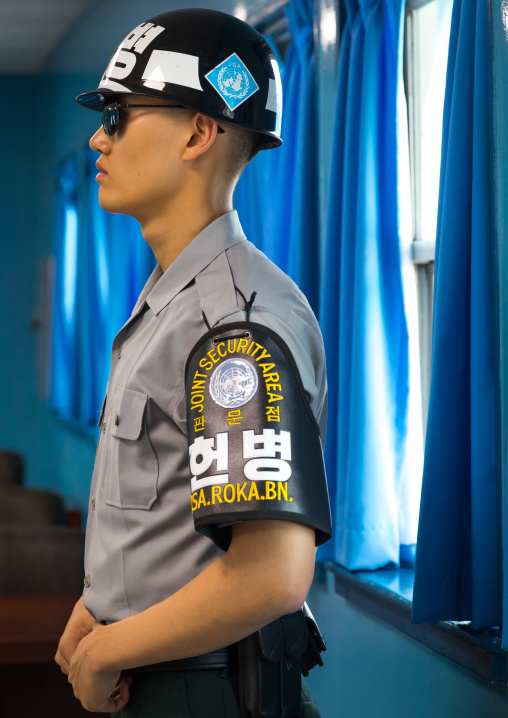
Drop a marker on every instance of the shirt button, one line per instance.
(119, 352)
(86, 580)
(93, 504)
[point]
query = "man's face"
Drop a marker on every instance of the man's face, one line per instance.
(143, 158)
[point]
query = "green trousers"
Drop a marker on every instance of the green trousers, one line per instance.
(210, 693)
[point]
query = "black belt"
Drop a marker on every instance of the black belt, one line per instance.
(223, 658)
(268, 664)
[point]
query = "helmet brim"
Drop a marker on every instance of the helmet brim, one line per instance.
(96, 99)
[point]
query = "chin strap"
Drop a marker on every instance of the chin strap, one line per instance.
(206, 320)
(248, 304)
(246, 307)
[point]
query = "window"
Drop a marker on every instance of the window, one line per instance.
(427, 35)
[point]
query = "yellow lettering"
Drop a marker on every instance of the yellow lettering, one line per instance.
(267, 368)
(234, 417)
(270, 492)
(229, 486)
(219, 351)
(216, 494)
(273, 413)
(273, 387)
(231, 348)
(258, 346)
(240, 489)
(199, 423)
(205, 364)
(201, 498)
(242, 345)
(194, 503)
(197, 405)
(275, 397)
(271, 378)
(213, 356)
(282, 490)
(253, 492)
(264, 355)
(250, 347)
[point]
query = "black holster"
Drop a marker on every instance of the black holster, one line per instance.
(271, 662)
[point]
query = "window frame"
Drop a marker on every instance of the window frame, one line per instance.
(423, 250)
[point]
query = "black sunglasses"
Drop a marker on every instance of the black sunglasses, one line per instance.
(111, 116)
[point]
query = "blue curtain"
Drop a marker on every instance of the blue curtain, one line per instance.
(64, 366)
(254, 188)
(290, 233)
(374, 439)
(457, 575)
(102, 263)
(252, 194)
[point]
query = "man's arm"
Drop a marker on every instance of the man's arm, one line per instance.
(266, 573)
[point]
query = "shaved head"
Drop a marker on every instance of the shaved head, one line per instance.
(243, 146)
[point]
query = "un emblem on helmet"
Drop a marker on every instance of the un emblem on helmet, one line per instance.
(233, 81)
(233, 383)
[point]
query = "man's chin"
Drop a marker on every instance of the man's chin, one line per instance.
(108, 204)
(120, 205)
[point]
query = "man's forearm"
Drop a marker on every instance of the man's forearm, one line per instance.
(223, 604)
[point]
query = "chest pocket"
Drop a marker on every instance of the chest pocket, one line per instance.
(131, 468)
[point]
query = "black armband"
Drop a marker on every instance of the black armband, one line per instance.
(254, 445)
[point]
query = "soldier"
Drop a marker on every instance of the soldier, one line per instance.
(208, 494)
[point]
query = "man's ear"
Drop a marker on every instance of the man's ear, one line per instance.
(204, 130)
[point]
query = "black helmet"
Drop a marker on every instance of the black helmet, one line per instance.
(208, 61)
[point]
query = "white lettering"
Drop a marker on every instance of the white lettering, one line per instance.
(269, 443)
(174, 67)
(267, 470)
(122, 63)
(201, 456)
(141, 37)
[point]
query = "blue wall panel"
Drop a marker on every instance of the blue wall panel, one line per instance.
(372, 670)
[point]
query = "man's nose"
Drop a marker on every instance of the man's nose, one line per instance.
(100, 142)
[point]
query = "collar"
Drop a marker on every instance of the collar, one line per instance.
(215, 238)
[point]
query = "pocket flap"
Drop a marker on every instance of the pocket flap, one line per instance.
(128, 421)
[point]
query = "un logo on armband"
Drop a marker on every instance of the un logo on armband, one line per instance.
(233, 383)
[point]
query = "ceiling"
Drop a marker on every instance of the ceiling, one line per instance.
(78, 36)
(30, 29)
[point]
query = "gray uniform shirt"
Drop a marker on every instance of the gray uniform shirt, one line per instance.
(141, 545)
